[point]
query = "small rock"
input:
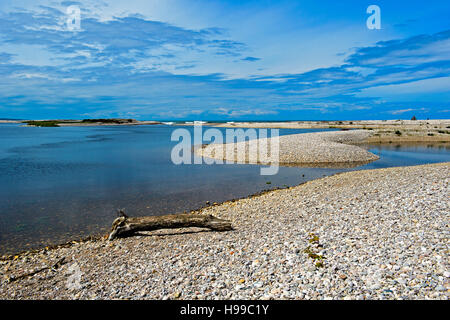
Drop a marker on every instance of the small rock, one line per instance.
(376, 286)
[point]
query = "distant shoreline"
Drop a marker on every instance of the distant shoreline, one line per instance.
(80, 123)
(383, 131)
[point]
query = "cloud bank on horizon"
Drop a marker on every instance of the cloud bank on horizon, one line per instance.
(209, 60)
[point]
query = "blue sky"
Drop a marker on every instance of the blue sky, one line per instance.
(228, 60)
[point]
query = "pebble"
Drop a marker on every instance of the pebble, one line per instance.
(383, 234)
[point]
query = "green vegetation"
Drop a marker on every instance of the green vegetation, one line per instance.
(44, 123)
(317, 258)
(313, 238)
(398, 132)
(431, 134)
(313, 255)
(55, 123)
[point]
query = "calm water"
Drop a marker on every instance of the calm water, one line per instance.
(58, 184)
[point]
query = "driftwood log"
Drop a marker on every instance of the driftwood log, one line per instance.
(126, 226)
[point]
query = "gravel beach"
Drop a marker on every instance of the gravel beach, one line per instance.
(305, 149)
(375, 234)
(383, 131)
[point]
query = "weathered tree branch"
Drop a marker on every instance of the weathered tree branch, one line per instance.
(126, 226)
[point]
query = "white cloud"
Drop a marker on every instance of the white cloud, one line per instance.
(410, 89)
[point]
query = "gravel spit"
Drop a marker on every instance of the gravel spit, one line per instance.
(375, 234)
(325, 149)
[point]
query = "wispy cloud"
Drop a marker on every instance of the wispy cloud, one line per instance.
(123, 40)
(130, 64)
(251, 59)
(402, 111)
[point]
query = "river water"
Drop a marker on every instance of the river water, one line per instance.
(60, 184)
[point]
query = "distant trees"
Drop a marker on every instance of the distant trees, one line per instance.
(44, 123)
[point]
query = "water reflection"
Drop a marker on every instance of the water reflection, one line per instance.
(57, 184)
